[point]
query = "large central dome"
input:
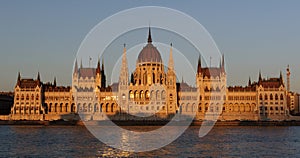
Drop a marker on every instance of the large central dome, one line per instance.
(149, 53)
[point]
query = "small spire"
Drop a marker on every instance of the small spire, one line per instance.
(249, 82)
(124, 49)
(19, 76)
(98, 70)
(223, 63)
(199, 64)
(259, 76)
(103, 64)
(223, 60)
(281, 78)
(149, 36)
(76, 67)
(171, 61)
(54, 82)
(19, 79)
(38, 76)
(288, 74)
(81, 63)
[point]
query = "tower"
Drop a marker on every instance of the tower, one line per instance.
(288, 74)
(171, 84)
(223, 75)
(123, 83)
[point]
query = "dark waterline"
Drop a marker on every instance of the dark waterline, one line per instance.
(222, 141)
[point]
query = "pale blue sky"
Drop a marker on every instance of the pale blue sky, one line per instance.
(45, 35)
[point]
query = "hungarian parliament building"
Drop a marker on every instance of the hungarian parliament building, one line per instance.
(152, 92)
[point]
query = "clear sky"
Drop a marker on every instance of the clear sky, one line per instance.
(44, 35)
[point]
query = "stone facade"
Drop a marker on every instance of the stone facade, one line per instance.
(28, 100)
(151, 90)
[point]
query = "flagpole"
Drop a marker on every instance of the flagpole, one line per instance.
(90, 61)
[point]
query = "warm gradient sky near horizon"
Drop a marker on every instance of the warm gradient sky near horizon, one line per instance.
(44, 35)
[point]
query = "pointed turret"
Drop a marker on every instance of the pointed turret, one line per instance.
(98, 76)
(81, 63)
(19, 79)
(223, 63)
(76, 67)
(19, 76)
(149, 36)
(98, 69)
(199, 69)
(38, 76)
(103, 64)
(171, 61)
(54, 81)
(249, 82)
(288, 74)
(281, 78)
(103, 77)
(259, 77)
(38, 79)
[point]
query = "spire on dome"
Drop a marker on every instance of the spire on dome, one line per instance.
(149, 36)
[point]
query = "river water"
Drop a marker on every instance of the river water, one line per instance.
(222, 141)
